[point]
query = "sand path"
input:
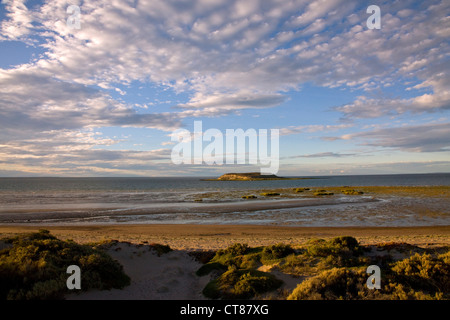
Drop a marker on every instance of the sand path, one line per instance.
(168, 277)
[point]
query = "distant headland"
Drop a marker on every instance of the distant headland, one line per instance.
(250, 176)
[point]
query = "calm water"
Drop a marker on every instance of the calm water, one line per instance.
(113, 200)
(193, 183)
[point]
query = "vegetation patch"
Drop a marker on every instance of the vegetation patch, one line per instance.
(323, 193)
(35, 267)
(160, 248)
(276, 251)
(202, 256)
(343, 246)
(300, 189)
(331, 270)
(337, 270)
(424, 272)
(270, 194)
(241, 284)
(249, 197)
(351, 192)
(334, 284)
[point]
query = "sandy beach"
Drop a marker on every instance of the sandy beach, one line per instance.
(213, 237)
(171, 276)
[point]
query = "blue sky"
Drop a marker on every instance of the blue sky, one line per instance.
(103, 100)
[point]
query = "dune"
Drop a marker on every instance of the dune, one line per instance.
(170, 276)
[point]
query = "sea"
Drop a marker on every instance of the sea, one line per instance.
(153, 200)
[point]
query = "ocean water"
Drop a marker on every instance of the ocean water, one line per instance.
(171, 200)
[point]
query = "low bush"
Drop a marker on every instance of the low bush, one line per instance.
(241, 284)
(235, 249)
(344, 246)
(419, 277)
(276, 251)
(423, 272)
(333, 269)
(300, 265)
(334, 284)
(160, 248)
(231, 256)
(36, 264)
(209, 267)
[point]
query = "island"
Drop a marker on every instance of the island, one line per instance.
(249, 176)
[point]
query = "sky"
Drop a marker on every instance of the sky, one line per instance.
(104, 99)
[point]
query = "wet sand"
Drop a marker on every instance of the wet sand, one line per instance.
(212, 237)
(59, 213)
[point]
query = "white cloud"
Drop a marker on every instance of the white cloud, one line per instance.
(32, 101)
(412, 138)
(312, 128)
(19, 22)
(223, 47)
(323, 155)
(227, 55)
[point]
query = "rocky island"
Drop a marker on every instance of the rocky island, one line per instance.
(249, 176)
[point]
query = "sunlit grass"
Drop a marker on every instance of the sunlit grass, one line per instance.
(331, 269)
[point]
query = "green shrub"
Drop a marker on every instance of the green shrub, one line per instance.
(334, 284)
(236, 249)
(212, 290)
(344, 246)
(241, 284)
(323, 193)
(249, 197)
(300, 265)
(276, 251)
(231, 256)
(346, 242)
(250, 261)
(398, 291)
(35, 267)
(209, 267)
(160, 248)
(424, 272)
(202, 256)
(342, 261)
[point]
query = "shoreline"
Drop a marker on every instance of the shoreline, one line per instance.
(42, 215)
(375, 206)
(213, 237)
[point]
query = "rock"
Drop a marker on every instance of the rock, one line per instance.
(248, 176)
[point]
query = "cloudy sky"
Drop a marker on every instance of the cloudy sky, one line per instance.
(104, 99)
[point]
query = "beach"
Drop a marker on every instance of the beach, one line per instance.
(172, 276)
(203, 221)
(214, 237)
